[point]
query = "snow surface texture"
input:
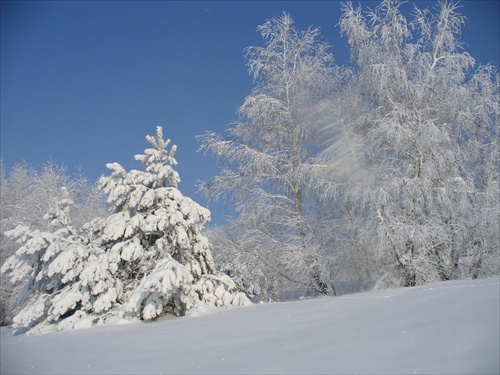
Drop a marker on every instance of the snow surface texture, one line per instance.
(448, 327)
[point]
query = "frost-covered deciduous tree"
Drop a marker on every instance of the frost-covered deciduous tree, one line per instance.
(265, 159)
(482, 154)
(241, 263)
(428, 135)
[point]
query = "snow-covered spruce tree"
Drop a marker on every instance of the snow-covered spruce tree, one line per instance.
(26, 195)
(51, 262)
(429, 132)
(266, 157)
(153, 241)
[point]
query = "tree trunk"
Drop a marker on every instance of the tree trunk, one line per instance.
(410, 277)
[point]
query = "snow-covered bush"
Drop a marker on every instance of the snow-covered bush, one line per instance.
(146, 259)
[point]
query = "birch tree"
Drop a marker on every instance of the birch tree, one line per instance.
(426, 118)
(264, 160)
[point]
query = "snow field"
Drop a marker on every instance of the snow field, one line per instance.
(446, 328)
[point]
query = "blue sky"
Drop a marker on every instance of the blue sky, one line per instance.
(82, 83)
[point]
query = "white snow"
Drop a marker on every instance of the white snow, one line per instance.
(449, 327)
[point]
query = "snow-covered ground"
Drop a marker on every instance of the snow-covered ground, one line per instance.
(449, 327)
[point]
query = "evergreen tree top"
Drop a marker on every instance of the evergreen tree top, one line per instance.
(158, 155)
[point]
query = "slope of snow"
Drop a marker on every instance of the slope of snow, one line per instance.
(449, 327)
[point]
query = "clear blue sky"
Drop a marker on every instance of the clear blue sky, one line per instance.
(82, 83)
